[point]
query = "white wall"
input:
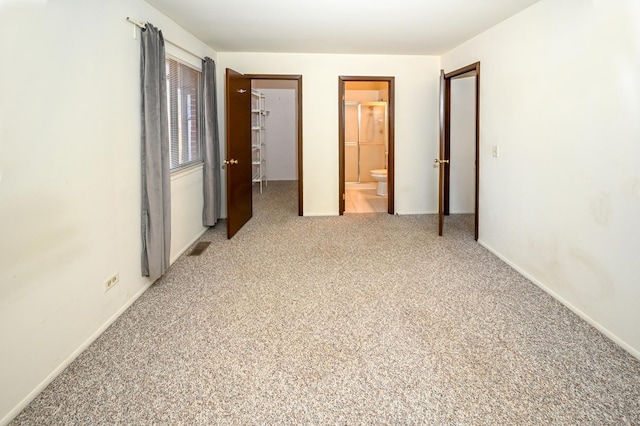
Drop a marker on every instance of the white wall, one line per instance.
(560, 95)
(281, 134)
(462, 186)
(416, 135)
(70, 181)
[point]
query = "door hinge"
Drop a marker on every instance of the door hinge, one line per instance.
(343, 197)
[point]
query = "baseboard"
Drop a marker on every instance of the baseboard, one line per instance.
(320, 214)
(51, 377)
(635, 353)
(406, 213)
(417, 212)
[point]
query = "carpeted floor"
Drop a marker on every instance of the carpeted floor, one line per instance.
(360, 319)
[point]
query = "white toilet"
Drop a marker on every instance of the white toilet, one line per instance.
(381, 176)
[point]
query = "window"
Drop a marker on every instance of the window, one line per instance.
(183, 101)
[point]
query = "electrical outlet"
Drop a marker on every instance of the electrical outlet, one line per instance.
(108, 284)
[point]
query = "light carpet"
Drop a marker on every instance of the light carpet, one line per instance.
(360, 319)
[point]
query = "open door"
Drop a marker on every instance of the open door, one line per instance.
(472, 70)
(238, 151)
(441, 161)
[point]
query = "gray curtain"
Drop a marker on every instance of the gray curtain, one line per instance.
(210, 145)
(156, 190)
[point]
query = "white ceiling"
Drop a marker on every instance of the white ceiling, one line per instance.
(412, 27)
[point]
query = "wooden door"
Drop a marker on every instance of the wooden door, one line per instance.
(238, 151)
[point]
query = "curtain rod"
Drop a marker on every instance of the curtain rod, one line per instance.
(141, 25)
(136, 23)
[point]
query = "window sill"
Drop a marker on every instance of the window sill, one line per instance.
(193, 168)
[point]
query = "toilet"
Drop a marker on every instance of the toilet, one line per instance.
(381, 176)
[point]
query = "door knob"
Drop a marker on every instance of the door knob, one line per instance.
(232, 161)
(438, 161)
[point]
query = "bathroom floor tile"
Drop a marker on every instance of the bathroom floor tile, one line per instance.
(362, 198)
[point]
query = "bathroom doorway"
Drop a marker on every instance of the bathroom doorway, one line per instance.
(366, 144)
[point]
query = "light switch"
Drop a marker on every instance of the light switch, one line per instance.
(495, 149)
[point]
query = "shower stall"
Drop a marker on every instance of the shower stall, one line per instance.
(366, 140)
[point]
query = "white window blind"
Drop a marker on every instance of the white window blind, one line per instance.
(183, 100)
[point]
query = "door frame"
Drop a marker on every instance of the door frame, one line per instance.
(391, 135)
(445, 129)
(298, 79)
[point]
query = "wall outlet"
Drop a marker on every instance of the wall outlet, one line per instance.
(108, 284)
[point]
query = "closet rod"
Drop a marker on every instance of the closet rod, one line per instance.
(141, 25)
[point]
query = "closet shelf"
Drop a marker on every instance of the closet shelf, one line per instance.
(258, 139)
